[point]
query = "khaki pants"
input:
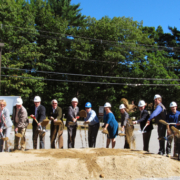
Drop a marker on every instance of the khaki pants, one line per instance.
(23, 140)
(56, 131)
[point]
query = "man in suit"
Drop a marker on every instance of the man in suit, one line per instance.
(73, 111)
(20, 119)
(39, 113)
(54, 115)
(144, 115)
(124, 122)
(159, 113)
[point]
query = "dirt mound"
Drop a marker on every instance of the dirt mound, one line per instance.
(86, 164)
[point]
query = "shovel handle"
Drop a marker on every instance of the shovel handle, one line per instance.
(35, 119)
(145, 127)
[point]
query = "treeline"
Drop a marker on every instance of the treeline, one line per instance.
(42, 37)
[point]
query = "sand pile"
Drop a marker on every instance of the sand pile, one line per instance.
(86, 164)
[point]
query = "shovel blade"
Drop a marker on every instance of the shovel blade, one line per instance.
(18, 135)
(5, 138)
(121, 134)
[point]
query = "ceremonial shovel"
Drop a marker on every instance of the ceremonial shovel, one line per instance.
(18, 134)
(2, 137)
(40, 129)
(143, 129)
(73, 123)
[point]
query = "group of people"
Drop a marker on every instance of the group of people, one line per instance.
(38, 113)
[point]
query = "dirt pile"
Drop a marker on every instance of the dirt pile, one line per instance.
(86, 164)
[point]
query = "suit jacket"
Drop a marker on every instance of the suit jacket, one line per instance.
(5, 115)
(23, 117)
(143, 120)
(41, 114)
(72, 113)
(56, 115)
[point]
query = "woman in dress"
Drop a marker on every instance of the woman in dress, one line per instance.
(111, 125)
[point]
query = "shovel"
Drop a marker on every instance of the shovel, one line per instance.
(165, 123)
(175, 130)
(122, 133)
(57, 123)
(71, 123)
(143, 129)
(40, 129)
(105, 131)
(3, 138)
(18, 134)
(85, 123)
(165, 138)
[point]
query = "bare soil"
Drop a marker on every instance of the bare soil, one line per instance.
(86, 164)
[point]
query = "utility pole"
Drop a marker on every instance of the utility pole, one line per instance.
(1, 46)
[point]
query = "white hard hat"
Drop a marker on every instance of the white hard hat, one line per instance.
(122, 106)
(37, 99)
(173, 104)
(19, 101)
(107, 104)
(141, 103)
(157, 96)
(74, 99)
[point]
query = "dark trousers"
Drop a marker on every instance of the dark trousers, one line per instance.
(161, 133)
(41, 139)
(92, 134)
(178, 146)
(56, 131)
(146, 138)
(2, 141)
(71, 135)
(126, 144)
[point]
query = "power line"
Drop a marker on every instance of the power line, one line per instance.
(99, 61)
(96, 76)
(89, 38)
(115, 45)
(87, 82)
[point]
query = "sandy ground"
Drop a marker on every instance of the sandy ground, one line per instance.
(86, 163)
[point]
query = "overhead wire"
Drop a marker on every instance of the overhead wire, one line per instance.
(96, 76)
(87, 82)
(95, 39)
(89, 60)
(110, 62)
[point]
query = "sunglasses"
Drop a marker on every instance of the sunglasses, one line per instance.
(2, 105)
(54, 103)
(87, 108)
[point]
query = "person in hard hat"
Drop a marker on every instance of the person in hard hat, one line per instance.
(172, 117)
(159, 114)
(21, 121)
(55, 114)
(5, 124)
(39, 113)
(72, 114)
(93, 127)
(144, 115)
(110, 124)
(124, 121)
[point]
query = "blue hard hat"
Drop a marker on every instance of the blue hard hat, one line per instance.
(88, 105)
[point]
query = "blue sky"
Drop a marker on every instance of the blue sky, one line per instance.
(152, 12)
